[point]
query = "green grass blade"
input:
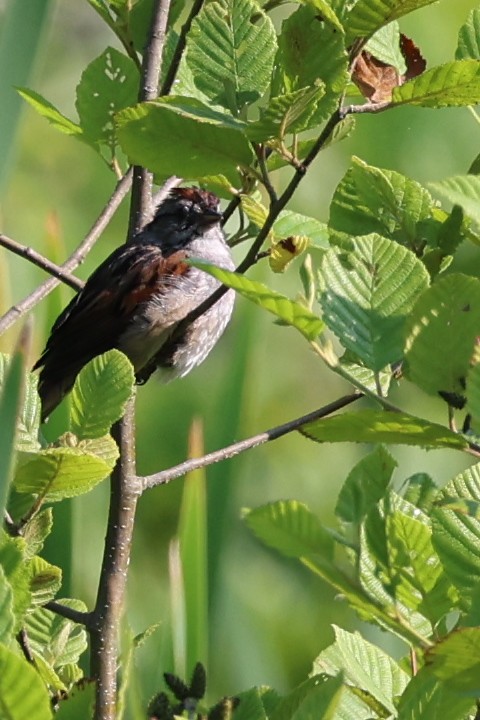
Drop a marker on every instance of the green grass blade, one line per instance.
(19, 42)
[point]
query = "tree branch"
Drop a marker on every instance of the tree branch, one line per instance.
(40, 261)
(77, 257)
(165, 476)
(141, 203)
(82, 618)
(125, 486)
(105, 620)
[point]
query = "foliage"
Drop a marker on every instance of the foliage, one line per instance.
(375, 303)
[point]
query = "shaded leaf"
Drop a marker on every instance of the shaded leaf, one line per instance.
(427, 698)
(46, 580)
(286, 114)
(289, 527)
(441, 333)
(469, 37)
(456, 659)
(463, 190)
(212, 143)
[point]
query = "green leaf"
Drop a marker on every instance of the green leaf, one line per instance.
(451, 85)
(311, 50)
(463, 190)
(427, 698)
(78, 705)
(289, 527)
(288, 705)
(469, 37)
(441, 334)
(58, 473)
(374, 426)
(107, 85)
(385, 46)
(286, 114)
(17, 572)
(322, 701)
(251, 706)
(45, 582)
(367, 296)
(291, 223)
(230, 51)
(28, 423)
(288, 311)
(100, 394)
(365, 485)
(364, 666)
(11, 392)
(367, 16)
(23, 694)
(48, 111)
(212, 143)
(7, 620)
(456, 535)
(419, 580)
(369, 199)
(456, 659)
(473, 393)
(58, 640)
(37, 530)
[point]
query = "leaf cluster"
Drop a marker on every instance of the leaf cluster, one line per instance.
(39, 648)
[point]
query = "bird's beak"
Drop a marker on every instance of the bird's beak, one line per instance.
(210, 218)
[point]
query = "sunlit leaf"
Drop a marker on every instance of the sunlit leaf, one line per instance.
(368, 294)
(382, 426)
(454, 84)
(428, 698)
(48, 111)
(100, 394)
(367, 16)
(230, 51)
(22, 692)
(286, 310)
(364, 666)
(59, 473)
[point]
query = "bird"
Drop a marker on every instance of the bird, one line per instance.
(139, 294)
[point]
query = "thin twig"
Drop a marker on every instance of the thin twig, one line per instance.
(77, 257)
(165, 476)
(22, 639)
(365, 108)
(76, 616)
(177, 55)
(40, 261)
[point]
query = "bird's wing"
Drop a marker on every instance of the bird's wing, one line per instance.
(95, 319)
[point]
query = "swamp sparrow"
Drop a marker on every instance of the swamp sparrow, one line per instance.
(135, 299)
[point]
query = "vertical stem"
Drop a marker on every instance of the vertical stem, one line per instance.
(125, 486)
(104, 626)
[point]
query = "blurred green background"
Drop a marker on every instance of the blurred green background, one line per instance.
(268, 618)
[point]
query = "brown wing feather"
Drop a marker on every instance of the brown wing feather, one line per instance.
(95, 319)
